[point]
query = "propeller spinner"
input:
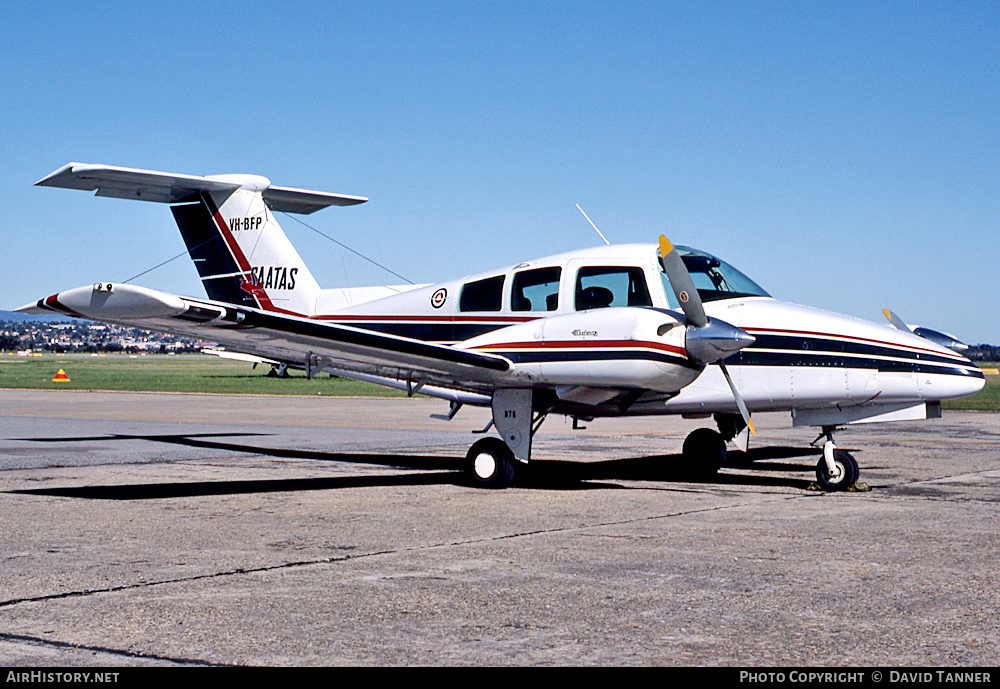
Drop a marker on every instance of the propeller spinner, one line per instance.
(706, 340)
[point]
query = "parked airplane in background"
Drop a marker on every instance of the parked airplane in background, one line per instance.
(639, 329)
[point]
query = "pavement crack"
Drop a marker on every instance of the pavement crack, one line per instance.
(51, 643)
(162, 582)
(236, 571)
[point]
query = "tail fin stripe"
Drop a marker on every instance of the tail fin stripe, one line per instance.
(247, 285)
(222, 276)
(245, 269)
(210, 253)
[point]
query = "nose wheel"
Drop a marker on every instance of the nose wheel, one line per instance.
(837, 470)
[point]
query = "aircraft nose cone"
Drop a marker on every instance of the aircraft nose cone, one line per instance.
(970, 385)
(715, 341)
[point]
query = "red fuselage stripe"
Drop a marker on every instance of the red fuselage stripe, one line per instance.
(424, 319)
(584, 344)
(808, 333)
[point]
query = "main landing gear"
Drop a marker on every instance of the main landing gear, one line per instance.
(704, 449)
(494, 462)
(704, 452)
(490, 463)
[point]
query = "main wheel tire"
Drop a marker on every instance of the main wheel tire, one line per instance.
(845, 475)
(704, 452)
(490, 464)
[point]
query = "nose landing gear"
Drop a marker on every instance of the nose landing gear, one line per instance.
(837, 470)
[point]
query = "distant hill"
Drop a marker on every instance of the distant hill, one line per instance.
(14, 317)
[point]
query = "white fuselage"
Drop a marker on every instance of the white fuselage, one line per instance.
(593, 332)
(803, 358)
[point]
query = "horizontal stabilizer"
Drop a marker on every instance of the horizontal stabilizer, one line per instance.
(300, 201)
(129, 183)
(166, 187)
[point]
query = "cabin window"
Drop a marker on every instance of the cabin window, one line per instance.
(602, 286)
(482, 295)
(536, 290)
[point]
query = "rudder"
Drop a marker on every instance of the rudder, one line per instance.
(211, 258)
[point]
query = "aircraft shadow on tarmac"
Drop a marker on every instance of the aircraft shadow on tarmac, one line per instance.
(756, 468)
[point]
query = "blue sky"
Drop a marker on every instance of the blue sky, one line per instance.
(844, 155)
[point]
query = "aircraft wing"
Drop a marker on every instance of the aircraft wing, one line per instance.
(311, 344)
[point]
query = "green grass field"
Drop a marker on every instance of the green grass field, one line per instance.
(161, 373)
(201, 373)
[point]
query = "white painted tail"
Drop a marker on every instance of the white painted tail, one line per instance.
(242, 254)
(228, 224)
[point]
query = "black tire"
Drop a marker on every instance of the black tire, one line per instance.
(490, 464)
(704, 452)
(846, 476)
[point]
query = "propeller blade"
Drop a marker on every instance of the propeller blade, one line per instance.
(682, 284)
(943, 339)
(896, 321)
(739, 398)
(706, 340)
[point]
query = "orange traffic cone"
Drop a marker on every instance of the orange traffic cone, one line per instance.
(61, 377)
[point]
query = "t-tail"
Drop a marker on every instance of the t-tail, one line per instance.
(227, 221)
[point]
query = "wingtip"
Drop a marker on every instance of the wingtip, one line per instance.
(46, 181)
(34, 308)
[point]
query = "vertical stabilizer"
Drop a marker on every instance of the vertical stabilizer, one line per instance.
(228, 225)
(242, 254)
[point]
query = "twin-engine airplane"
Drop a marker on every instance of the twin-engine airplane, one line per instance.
(612, 331)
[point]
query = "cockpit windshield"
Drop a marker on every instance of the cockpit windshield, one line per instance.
(715, 279)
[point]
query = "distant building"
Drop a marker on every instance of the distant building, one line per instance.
(85, 336)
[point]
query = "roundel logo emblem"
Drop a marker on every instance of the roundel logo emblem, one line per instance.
(683, 296)
(438, 298)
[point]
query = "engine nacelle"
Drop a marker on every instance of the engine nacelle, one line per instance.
(619, 348)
